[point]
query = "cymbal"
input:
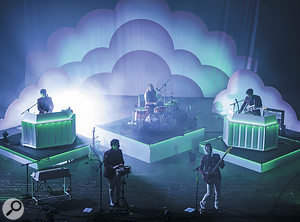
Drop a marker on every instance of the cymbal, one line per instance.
(171, 102)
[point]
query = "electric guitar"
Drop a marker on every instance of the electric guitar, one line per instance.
(210, 174)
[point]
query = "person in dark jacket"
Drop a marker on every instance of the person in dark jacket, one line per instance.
(251, 103)
(45, 104)
(113, 159)
(208, 162)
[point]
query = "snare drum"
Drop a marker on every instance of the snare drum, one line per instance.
(160, 109)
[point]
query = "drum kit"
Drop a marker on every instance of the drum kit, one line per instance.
(165, 117)
(159, 118)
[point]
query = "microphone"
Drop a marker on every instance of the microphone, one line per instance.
(157, 89)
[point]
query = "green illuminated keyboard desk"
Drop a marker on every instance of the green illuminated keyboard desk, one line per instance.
(49, 129)
(251, 132)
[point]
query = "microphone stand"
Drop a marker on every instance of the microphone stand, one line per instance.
(196, 213)
(164, 85)
(101, 211)
(101, 186)
(236, 103)
(27, 164)
(27, 110)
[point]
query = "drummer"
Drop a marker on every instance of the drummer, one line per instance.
(150, 97)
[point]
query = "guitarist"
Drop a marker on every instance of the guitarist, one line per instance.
(212, 179)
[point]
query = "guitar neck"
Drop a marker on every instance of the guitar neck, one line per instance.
(218, 164)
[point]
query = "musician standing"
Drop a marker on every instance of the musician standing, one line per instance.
(113, 159)
(212, 179)
(253, 101)
(45, 104)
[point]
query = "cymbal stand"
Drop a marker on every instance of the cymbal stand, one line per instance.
(165, 89)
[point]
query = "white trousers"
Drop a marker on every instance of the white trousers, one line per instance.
(216, 186)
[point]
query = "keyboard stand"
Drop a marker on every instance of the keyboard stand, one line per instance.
(35, 185)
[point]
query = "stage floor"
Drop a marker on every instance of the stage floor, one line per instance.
(148, 137)
(148, 146)
(46, 157)
(287, 150)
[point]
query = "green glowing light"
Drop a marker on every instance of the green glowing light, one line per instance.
(230, 154)
(262, 166)
(297, 141)
(199, 130)
(253, 120)
(281, 157)
(46, 122)
(249, 136)
(6, 198)
(254, 123)
(48, 134)
(67, 153)
(65, 115)
(174, 138)
(46, 162)
(124, 137)
(19, 154)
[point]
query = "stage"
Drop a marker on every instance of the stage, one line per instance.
(42, 158)
(148, 146)
(287, 151)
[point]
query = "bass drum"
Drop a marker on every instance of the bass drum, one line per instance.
(160, 109)
(140, 114)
